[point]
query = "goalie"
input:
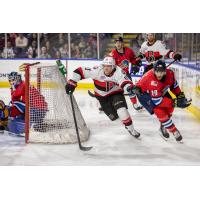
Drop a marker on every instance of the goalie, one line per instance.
(110, 82)
(16, 122)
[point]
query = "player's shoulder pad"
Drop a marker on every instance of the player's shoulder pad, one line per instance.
(119, 70)
(160, 42)
(144, 44)
(170, 71)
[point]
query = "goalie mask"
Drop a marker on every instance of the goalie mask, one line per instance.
(14, 77)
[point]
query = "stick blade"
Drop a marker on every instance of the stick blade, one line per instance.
(85, 148)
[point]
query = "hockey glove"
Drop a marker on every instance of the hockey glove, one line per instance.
(135, 90)
(181, 101)
(141, 56)
(177, 56)
(70, 87)
(58, 62)
(62, 68)
(138, 61)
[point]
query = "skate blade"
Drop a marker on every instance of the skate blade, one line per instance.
(180, 142)
(164, 138)
(137, 138)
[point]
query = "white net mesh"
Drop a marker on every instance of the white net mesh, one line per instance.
(51, 119)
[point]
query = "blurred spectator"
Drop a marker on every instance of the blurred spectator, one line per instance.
(64, 51)
(34, 47)
(88, 52)
(82, 43)
(30, 53)
(57, 55)
(32, 50)
(92, 40)
(60, 42)
(33, 37)
(44, 53)
(43, 39)
(50, 50)
(77, 53)
(72, 46)
(2, 42)
(21, 44)
(8, 51)
(12, 37)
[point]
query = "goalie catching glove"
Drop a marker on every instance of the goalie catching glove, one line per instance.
(181, 101)
(70, 87)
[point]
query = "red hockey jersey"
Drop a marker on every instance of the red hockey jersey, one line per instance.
(19, 93)
(127, 55)
(149, 83)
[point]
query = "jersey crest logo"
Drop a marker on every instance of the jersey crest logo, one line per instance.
(154, 83)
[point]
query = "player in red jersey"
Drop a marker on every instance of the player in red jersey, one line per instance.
(121, 53)
(152, 89)
(123, 56)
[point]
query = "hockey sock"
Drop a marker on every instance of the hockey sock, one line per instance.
(125, 117)
(169, 125)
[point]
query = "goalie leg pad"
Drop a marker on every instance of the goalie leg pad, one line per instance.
(16, 125)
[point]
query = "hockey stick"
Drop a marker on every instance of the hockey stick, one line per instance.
(76, 126)
(171, 63)
(91, 94)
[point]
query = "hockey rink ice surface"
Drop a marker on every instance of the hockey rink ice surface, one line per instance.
(112, 144)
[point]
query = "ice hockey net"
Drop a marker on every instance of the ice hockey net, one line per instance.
(48, 115)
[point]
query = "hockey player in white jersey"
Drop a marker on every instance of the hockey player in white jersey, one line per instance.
(109, 84)
(153, 50)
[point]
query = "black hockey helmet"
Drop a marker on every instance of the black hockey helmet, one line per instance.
(159, 66)
(119, 39)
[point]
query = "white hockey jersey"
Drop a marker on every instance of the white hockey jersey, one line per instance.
(155, 51)
(104, 85)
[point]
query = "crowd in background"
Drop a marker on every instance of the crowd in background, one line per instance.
(84, 45)
(52, 45)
